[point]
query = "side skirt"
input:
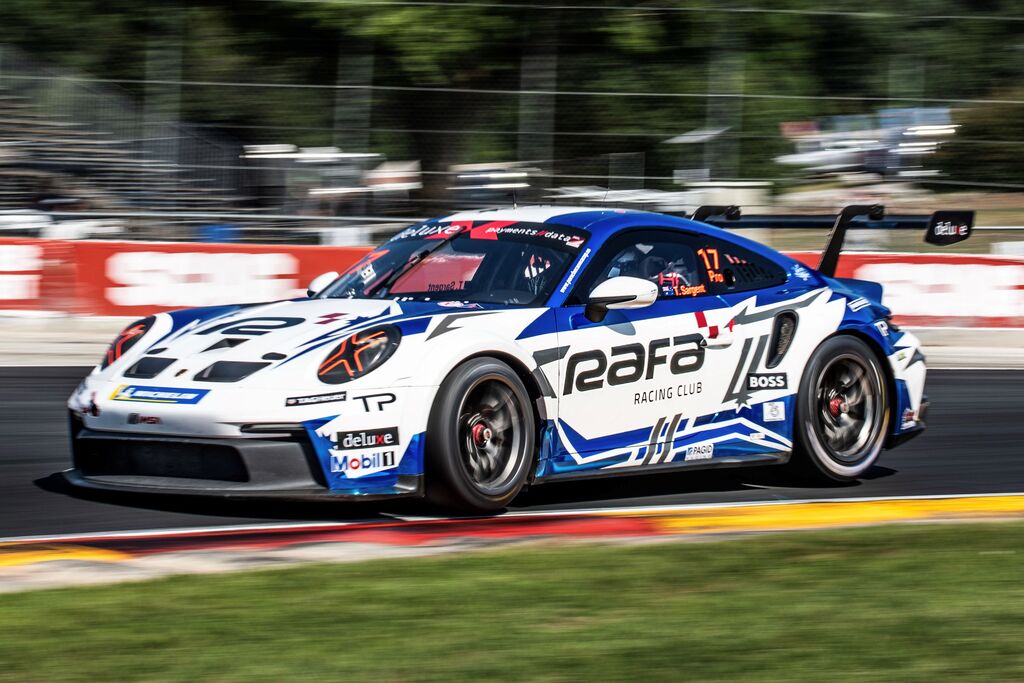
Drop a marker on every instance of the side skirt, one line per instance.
(780, 458)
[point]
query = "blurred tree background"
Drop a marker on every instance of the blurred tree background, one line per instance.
(665, 66)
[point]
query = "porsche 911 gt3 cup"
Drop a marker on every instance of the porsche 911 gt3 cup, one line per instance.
(475, 354)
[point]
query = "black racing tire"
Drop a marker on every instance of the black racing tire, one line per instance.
(480, 438)
(842, 412)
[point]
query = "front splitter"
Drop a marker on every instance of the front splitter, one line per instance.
(408, 487)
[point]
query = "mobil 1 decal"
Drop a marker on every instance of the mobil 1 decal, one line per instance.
(747, 379)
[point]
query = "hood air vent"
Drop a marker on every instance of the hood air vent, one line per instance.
(148, 367)
(228, 371)
(226, 343)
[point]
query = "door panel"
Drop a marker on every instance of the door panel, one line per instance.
(628, 382)
(671, 383)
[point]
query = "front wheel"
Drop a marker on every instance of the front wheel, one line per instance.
(480, 438)
(842, 411)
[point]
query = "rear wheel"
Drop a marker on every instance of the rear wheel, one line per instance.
(842, 411)
(480, 439)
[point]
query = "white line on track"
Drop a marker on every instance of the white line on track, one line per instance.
(936, 368)
(297, 526)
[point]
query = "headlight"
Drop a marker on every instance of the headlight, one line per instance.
(359, 354)
(127, 339)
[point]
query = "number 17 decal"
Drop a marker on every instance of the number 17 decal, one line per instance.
(710, 257)
(707, 252)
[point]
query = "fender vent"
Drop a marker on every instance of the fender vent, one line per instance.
(782, 337)
(148, 367)
(228, 371)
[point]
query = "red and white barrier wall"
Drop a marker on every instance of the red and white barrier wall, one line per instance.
(136, 278)
(941, 290)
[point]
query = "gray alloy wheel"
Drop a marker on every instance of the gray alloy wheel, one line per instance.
(842, 410)
(480, 438)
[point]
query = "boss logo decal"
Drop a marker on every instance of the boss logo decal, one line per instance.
(770, 380)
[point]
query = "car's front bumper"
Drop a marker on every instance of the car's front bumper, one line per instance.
(284, 467)
(901, 438)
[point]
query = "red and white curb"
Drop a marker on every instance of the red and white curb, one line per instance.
(75, 559)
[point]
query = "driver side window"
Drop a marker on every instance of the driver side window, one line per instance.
(664, 257)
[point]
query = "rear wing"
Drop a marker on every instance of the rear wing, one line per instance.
(941, 228)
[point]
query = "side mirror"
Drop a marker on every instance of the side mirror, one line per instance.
(320, 283)
(619, 292)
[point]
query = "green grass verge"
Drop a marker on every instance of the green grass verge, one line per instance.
(921, 603)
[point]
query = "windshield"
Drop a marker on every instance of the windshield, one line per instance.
(486, 262)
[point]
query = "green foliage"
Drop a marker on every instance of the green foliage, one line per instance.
(879, 50)
(988, 147)
(913, 603)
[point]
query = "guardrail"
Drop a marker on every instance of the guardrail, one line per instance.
(245, 227)
(259, 227)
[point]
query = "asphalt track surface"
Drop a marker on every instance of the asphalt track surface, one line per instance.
(973, 445)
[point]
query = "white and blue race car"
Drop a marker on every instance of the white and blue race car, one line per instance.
(475, 354)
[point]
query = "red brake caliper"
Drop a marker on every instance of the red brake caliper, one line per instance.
(835, 406)
(481, 434)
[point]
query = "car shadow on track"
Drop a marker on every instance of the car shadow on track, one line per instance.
(255, 509)
(702, 486)
(680, 488)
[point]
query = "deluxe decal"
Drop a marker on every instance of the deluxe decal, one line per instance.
(366, 438)
(430, 230)
(640, 362)
(142, 394)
